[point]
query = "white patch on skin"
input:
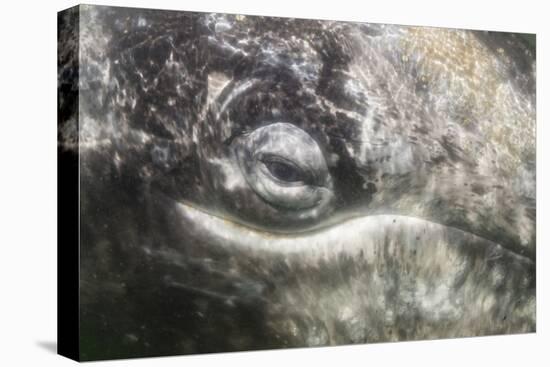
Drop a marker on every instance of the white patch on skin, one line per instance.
(237, 91)
(436, 301)
(141, 22)
(222, 26)
(216, 83)
(233, 178)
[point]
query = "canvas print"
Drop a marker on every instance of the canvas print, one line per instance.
(236, 183)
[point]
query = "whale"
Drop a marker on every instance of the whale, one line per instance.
(257, 182)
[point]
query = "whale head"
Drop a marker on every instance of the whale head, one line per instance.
(275, 182)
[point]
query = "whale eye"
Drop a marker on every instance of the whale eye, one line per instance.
(285, 167)
(283, 170)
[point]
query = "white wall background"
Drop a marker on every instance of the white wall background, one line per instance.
(28, 182)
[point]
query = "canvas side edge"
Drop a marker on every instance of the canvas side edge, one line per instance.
(68, 215)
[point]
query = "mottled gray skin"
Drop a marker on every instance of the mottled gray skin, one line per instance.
(412, 216)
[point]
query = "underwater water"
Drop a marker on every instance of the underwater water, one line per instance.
(255, 182)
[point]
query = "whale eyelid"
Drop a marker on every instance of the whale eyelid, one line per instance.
(286, 168)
